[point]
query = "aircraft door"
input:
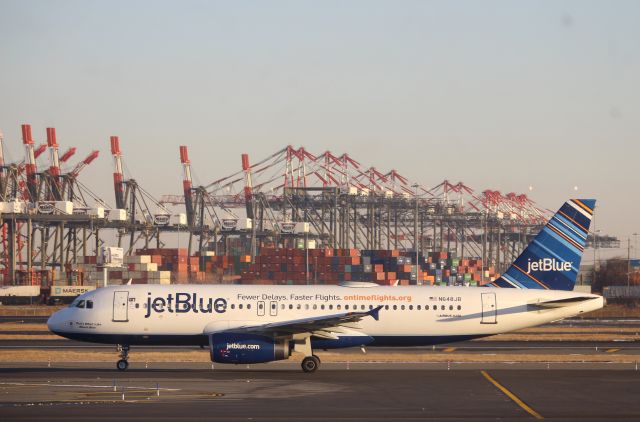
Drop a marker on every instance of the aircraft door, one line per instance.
(261, 308)
(273, 308)
(489, 309)
(120, 306)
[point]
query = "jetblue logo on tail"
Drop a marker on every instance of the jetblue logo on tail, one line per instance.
(552, 259)
(548, 264)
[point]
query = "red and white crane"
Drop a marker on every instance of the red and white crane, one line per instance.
(30, 164)
(187, 184)
(118, 174)
(54, 168)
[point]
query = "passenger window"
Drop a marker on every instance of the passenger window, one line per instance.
(299, 306)
(451, 307)
(338, 307)
(306, 306)
(233, 306)
(315, 306)
(137, 305)
(322, 307)
(370, 307)
(459, 307)
(282, 306)
(346, 307)
(395, 307)
(240, 306)
(426, 307)
(419, 307)
(330, 307)
(90, 304)
(291, 306)
(386, 307)
(362, 307)
(442, 307)
(411, 307)
(248, 306)
(402, 307)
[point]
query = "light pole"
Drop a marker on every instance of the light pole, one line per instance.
(595, 251)
(415, 230)
(306, 249)
(629, 266)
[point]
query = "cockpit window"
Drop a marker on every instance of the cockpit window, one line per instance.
(89, 304)
(80, 304)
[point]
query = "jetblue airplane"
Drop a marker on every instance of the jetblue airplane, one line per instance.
(255, 324)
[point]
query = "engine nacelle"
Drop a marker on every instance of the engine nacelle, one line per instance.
(246, 348)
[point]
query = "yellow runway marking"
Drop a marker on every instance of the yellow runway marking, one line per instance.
(613, 350)
(449, 349)
(512, 396)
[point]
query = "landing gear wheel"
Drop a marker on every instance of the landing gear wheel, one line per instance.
(319, 361)
(310, 364)
(122, 365)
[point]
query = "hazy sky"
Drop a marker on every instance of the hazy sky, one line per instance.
(498, 94)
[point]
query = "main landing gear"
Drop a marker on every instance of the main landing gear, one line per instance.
(310, 363)
(123, 363)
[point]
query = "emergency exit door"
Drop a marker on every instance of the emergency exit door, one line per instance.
(273, 308)
(489, 309)
(120, 306)
(260, 308)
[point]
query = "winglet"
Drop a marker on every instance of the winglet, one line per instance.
(375, 313)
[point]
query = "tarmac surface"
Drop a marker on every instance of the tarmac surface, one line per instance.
(281, 392)
(349, 391)
(477, 347)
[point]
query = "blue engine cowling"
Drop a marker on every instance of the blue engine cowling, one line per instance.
(246, 348)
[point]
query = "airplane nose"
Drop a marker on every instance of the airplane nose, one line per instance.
(52, 322)
(56, 322)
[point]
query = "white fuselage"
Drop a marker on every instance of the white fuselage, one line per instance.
(411, 315)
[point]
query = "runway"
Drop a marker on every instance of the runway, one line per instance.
(279, 392)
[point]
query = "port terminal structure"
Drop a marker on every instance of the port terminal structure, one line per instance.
(292, 198)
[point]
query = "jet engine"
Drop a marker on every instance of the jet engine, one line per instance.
(228, 347)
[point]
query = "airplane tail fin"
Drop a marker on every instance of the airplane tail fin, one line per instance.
(552, 260)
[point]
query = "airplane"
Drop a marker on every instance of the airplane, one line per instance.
(247, 324)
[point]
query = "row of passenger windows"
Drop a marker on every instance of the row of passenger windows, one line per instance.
(355, 307)
(330, 307)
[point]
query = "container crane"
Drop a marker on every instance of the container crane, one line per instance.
(30, 164)
(118, 175)
(54, 169)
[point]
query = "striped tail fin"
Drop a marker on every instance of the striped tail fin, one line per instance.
(551, 261)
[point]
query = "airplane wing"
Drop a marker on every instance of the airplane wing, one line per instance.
(320, 326)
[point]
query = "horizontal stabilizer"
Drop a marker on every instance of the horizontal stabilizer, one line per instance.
(559, 303)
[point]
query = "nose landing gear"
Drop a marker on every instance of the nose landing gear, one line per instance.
(123, 363)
